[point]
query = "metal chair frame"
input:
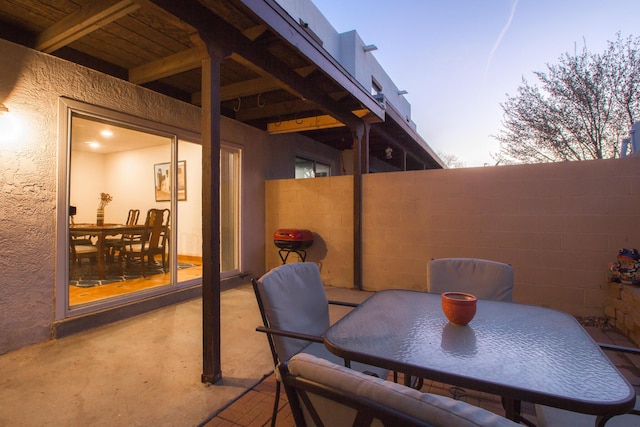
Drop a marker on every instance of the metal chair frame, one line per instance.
(298, 390)
(270, 332)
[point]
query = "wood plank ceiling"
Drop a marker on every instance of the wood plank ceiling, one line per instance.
(138, 41)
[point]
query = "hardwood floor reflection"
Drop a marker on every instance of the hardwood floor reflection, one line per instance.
(78, 295)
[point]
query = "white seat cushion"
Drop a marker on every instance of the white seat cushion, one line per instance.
(86, 249)
(440, 411)
(319, 350)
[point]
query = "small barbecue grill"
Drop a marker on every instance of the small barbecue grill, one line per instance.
(289, 240)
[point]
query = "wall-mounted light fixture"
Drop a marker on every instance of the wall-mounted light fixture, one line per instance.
(10, 125)
(369, 47)
(388, 153)
(402, 92)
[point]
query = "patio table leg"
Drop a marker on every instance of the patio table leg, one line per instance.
(512, 409)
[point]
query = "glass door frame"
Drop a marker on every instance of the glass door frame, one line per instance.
(236, 151)
(67, 108)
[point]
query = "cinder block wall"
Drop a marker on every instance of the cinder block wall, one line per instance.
(559, 225)
(325, 207)
(622, 309)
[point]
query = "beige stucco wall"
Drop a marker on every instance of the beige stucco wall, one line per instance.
(559, 225)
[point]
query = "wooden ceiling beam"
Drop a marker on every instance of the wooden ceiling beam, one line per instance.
(85, 20)
(254, 32)
(248, 88)
(274, 110)
(164, 67)
(263, 84)
(219, 34)
(288, 29)
(309, 123)
(283, 108)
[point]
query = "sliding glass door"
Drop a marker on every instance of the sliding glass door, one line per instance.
(229, 211)
(130, 208)
(133, 190)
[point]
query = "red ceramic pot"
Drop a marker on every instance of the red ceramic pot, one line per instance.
(459, 307)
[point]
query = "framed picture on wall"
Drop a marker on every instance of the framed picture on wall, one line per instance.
(162, 179)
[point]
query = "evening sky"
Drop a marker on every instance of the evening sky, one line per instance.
(459, 58)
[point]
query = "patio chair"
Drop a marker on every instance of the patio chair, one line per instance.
(480, 277)
(295, 313)
(483, 278)
(322, 393)
(553, 417)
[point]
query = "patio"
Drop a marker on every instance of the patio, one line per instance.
(146, 371)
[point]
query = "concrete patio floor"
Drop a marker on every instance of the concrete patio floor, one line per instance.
(146, 371)
(141, 371)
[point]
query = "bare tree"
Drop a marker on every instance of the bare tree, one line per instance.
(585, 105)
(451, 160)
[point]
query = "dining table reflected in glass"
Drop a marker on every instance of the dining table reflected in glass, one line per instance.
(516, 351)
(100, 233)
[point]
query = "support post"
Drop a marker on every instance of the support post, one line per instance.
(211, 358)
(360, 166)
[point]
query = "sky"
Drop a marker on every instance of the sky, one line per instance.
(458, 59)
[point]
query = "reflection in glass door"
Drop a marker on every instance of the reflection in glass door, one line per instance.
(119, 241)
(229, 211)
(130, 168)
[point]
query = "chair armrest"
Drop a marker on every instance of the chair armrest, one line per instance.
(290, 334)
(344, 303)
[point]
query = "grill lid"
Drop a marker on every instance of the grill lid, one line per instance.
(293, 235)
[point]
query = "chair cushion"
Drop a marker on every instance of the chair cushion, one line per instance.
(483, 278)
(434, 409)
(294, 300)
(319, 350)
(86, 249)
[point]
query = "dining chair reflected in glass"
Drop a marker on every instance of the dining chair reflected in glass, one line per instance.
(153, 241)
(81, 247)
(113, 245)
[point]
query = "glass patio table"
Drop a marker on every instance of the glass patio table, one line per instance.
(519, 352)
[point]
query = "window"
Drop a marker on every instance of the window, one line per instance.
(306, 168)
(138, 165)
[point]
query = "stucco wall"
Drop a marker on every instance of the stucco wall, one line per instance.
(30, 85)
(559, 225)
